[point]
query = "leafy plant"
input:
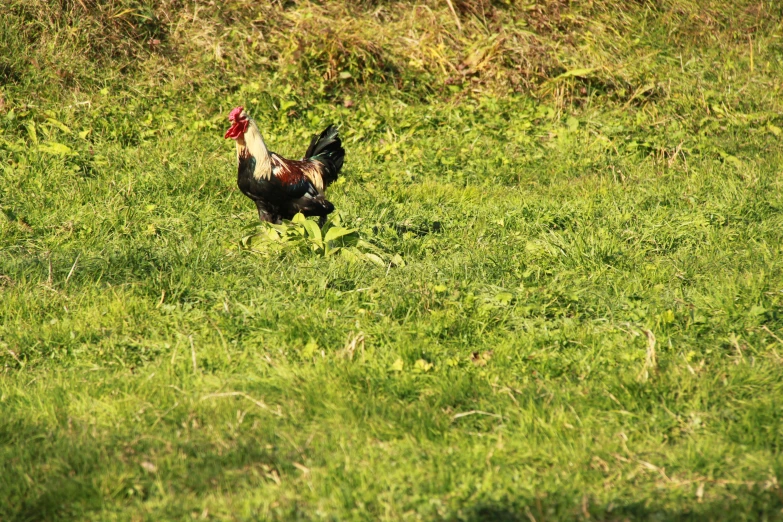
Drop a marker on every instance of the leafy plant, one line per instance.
(306, 236)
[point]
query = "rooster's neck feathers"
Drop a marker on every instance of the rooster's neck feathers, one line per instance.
(253, 143)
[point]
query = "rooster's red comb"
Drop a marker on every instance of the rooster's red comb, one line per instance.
(235, 112)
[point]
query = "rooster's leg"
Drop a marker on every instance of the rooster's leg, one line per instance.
(322, 221)
(263, 215)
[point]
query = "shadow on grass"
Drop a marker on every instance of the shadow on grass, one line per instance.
(68, 499)
(753, 505)
(48, 474)
(57, 501)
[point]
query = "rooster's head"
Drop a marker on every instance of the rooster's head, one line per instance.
(239, 122)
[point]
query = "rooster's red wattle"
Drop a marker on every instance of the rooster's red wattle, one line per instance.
(281, 187)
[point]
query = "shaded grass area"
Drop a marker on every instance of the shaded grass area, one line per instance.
(586, 322)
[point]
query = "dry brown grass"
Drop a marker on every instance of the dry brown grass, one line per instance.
(552, 48)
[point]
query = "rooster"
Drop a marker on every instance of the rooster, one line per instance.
(282, 187)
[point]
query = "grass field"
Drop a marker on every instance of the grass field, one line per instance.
(564, 298)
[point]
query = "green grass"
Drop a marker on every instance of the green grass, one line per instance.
(579, 213)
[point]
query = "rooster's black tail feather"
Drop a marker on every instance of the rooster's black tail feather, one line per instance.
(328, 149)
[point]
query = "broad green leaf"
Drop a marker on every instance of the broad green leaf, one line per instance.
(310, 349)
(58, 124)
(286, 104)
(364, 244)
(350, 254)
(52, 147)
(313, 231)
(504, 297)
(294, 232)
(247, 241)
(272, 234)
(30, 126)
(337, 232)
(375, 259)
(19, 146)
(422, 366)
(398, 365)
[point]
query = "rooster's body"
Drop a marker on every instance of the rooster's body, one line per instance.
(281, 187)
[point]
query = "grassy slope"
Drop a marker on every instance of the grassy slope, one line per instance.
(153, 369)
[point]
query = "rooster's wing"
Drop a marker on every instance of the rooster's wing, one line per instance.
(291, 176)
